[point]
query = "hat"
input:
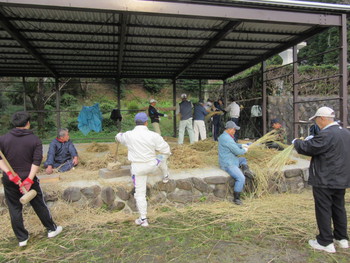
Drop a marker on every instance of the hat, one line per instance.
(183, 96)
(273, 121)
(152, 100)
(231, 125)
(324, 112)
(141, 116)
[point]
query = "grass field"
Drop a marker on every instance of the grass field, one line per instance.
(270, 229)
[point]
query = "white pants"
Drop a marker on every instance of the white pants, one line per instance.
(199, 129)
(139, 172)
(185, 124)
(156, 127)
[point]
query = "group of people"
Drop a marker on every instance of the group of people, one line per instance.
(148, 151)
(192, 117)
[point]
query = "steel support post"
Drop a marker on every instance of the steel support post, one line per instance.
(200, 89)
(343, 81)
(174, 104)
(295, 93)
(264, 97)
(24, 93)
(58, 104)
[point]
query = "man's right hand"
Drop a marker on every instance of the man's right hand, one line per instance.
(49, 169)
(13, 177)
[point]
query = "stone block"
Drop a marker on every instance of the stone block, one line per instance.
(122, 193)
(200, 185)
(117, 206)
(158, 198)
(2, 200)
(106, 173)
(50, 197)
(184, 184)
(132, 204)
(167, 187)
(305, 173)
(221, 190)
(108, 195)
(91, 192)
(292, 173)
(181, 196)
(216, 179)
(49, 178)
(71, 194)
(96, 202)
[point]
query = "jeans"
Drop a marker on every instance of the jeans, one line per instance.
(237, 174)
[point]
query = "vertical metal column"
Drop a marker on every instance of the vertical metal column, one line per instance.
(200, 90)
(264, 96)
(225, 92)
(58, 104)
(174, 104)
(118, 93)
(295, 93)
(343, 88)
(24, 93)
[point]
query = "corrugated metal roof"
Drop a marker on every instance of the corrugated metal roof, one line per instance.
(170, 40)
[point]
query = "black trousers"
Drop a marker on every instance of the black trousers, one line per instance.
(12, 196)
(330, 205)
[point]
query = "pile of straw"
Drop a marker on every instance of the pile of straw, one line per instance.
(97, 147)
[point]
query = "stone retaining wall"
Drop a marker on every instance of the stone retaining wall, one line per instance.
(176, 192)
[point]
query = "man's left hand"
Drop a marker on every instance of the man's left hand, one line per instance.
(75, 160)
(27, 184)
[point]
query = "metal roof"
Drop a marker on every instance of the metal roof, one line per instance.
(200, 39)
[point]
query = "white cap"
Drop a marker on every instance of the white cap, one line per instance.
(152, 100)
(183, 96)
(324, 112)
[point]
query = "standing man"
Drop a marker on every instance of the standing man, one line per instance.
(154, 115)
(62, 153)
(219, 107)
(142, 146)
(199, 125)
(184, 108)
(230, 162)
(24, 152)
(234, 110)
(329, 175)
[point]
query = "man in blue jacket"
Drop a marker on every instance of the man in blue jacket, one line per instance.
(229, 160)
(199, 125)
(329, 175)
(62, 153)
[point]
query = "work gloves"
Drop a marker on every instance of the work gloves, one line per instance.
(27, 184)
(13, 177)
(165, 115)
(245, 147)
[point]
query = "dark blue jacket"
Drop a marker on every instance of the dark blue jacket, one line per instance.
(60, 152)
(199, 113)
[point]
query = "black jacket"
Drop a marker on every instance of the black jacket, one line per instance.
(330, 162)
(154, 114)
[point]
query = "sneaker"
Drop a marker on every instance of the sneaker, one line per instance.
(166, 179)
(55, 233)
(343, 243)
(23, 243)
(314, 244)
(141, 222)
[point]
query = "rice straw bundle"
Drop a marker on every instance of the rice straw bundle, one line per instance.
(280, 159)
(268, 137)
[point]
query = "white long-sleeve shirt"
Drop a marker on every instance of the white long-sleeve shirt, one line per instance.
(233, 110)
(142, 144)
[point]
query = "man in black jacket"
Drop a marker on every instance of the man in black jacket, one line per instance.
(154, 115)
(329, 175)
(23, 150)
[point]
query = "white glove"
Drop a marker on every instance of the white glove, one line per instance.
(294, 140)
(245, 147)
(309, 137)
(165, 115)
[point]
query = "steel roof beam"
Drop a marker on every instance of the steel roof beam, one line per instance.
(212, 43)
(252, 12)
(13, 32)
(122, 42)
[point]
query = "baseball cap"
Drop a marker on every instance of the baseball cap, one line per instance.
(324, 112)
(273, 121)
(152, 100)
(141, 116)
(183, 96)
(231, 124)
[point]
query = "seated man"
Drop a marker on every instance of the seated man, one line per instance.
(282, 136)
(62, 153)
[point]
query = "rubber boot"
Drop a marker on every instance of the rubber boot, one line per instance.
(247, 172)
(236, 198)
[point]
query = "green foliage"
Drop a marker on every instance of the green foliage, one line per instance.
(67, 100)
(107, 107)
(133, 106)
(155, 85)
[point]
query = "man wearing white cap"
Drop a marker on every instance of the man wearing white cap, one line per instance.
(184, 108)
(154, 115)
(329, 175)
(142, 147)
(229, 160)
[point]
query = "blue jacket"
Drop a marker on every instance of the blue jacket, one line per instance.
(60, 152)
(228, 151)
(199, 113)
